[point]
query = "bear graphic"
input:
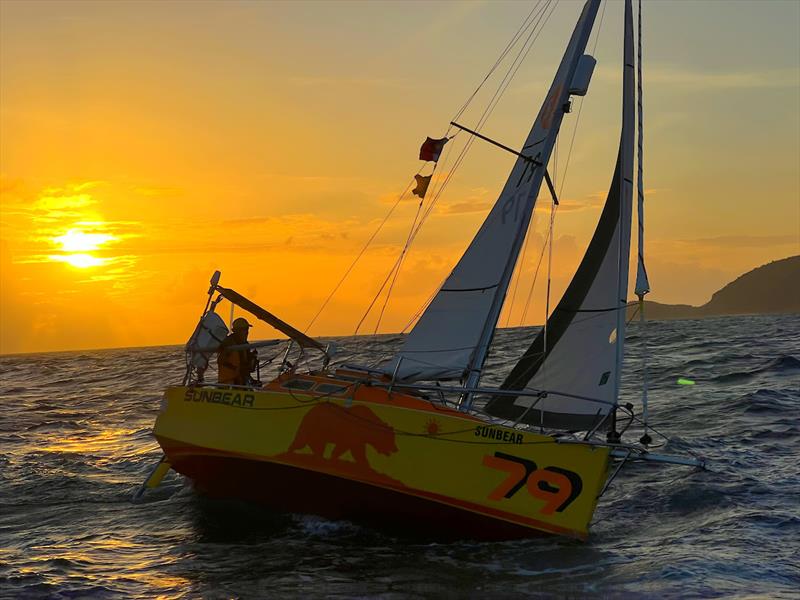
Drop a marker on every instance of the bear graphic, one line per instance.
(350, 429)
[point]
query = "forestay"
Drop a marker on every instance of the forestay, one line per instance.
(452, 336)
(580, 366)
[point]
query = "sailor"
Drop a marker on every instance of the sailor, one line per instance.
(234, 366)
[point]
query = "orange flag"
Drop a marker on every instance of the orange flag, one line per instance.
(423, 181)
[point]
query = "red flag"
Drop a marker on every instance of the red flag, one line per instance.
(431, 149)
(423, 181)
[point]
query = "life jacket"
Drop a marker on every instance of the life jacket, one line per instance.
(232, 367)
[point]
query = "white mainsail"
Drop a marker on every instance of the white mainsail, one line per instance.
(452, 336)
(579, 368)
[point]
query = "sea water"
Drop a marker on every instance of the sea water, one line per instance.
(75, 444)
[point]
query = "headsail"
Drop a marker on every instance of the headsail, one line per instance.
(580, 367)
(452, 336)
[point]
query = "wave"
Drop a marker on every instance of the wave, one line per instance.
(76, 443)
(781, 365)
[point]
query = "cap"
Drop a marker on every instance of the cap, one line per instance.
(240, 323)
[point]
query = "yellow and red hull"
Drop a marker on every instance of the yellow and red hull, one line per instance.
(364, 454)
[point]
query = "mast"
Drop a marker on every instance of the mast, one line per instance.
(626, 205)
(642, 283)
(452, 337)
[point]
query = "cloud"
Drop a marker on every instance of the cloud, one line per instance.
(62, 202)
(745, 241)
(460, 208)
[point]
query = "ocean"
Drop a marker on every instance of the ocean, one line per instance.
(75, 444)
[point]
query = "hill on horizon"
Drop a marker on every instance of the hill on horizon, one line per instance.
(773, 288)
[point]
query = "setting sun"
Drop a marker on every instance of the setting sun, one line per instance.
(76, 246)
(76, 240)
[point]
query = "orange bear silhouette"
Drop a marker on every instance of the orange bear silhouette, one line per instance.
(350, 429)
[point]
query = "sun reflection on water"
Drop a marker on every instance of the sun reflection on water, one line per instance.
(81, 261)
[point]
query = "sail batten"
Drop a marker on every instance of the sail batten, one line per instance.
(452, 337)
(582, 352)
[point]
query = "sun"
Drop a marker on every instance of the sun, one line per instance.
(76, 240)
(76, 246)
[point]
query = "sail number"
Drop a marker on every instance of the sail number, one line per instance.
(557, 487)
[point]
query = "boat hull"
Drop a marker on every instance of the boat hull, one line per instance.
(293, 490)
(387, 459)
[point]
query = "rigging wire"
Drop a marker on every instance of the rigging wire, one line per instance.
(395, 269)
(541, 20)
(403, 253)
(549, 271)
(399, 261)
(507, 79)
(520, 268)
(535, 277)
(361, 253)
(512, 43)
(399, 265)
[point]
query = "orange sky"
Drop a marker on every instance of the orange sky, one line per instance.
(144, 145)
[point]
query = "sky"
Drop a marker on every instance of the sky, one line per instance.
(144, 145)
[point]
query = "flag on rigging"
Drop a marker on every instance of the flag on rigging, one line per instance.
(423, 181)
(431, 149)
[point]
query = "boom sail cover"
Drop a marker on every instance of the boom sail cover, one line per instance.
(452, 336)
(577, 373)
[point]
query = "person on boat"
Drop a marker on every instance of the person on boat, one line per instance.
(234, 366)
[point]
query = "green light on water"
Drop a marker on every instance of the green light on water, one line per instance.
(683, 381)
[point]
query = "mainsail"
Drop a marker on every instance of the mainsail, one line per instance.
(578, 371)
(452, 336)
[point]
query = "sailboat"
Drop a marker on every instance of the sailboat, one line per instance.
(418, 442)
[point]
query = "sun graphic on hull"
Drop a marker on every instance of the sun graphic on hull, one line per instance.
(432, 427)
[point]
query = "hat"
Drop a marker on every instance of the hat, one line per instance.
(240, 323)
